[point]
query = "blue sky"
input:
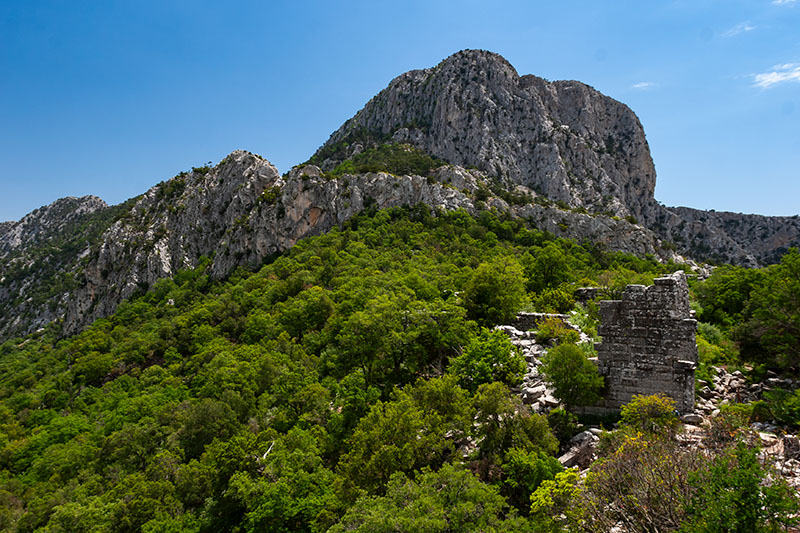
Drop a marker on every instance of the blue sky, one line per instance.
(110, 97)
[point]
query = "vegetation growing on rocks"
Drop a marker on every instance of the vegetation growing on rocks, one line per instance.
(332, 388)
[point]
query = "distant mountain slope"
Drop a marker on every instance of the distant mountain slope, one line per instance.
(562, 139)
(40, 255)
(560, 155)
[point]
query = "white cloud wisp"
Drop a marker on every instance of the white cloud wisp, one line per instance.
(742, 27)
(779, 74)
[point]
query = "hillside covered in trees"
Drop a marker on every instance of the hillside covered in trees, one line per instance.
(354, 383)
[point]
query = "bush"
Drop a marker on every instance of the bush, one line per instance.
(558, 300)
(488, 357)
(495, 292)
(783, 406)
(564, 425)
(732, 422)
(554, 329)
(524, 471)
(642, 484)
(575, 379)
(651, 414)
(399, 159)
(735, 494)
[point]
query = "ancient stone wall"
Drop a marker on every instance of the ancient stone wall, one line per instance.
(529, 321)
(649, 343)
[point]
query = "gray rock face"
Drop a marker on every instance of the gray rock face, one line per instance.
(748, 240)
(238, 213)
(170, 228)
(38, 256)
(562, 138)
(46, 223)
(78, 258)
(243, 211)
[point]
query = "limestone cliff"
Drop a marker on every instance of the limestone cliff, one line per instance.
(242, 211)
(560, 155)
(39, 256)
(563, 139)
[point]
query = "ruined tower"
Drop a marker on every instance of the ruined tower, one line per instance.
(649, 343)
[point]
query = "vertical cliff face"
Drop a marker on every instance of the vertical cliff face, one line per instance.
(77, 259)
(39, 255)
(563, 139)
(171, 227)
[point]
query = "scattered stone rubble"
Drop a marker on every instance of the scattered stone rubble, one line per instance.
(778, 448)
(534, 391)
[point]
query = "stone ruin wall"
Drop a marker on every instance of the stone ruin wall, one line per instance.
(649, 343)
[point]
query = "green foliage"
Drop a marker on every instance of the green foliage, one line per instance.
(554, 300)
(652, 414)
(783, 406)
(554, 329)
(486, 358)
(277, 399)
(575, 380)
(731, 423)
(418, 427)
(450, 499)
(586, 318)
(523, 472)
(734, 494)
(503, 422)
(270, 195)
(495, 292)
(547, 267)
(772, 333)
(398, 159)
(563, 424)
(724, 295)
(553, 500)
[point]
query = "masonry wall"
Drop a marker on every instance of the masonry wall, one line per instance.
(649, 343)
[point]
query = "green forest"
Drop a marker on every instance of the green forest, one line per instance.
(354, 383)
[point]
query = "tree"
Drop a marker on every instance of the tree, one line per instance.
(773, 332)
(575, 380)
(735, 494)
(488, 357)
(451, 499)
(495, 292)
(420, 427)
(651, 414)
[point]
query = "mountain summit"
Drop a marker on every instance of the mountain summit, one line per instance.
(562, 139)
(467, 134)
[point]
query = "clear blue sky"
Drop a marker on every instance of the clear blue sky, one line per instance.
(110, 97)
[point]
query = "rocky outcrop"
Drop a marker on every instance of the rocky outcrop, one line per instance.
(39, 256)
(171, 227)
(237, 214)
(243, 211)
(572, 154)
(47, 224)
(748, 240)
(563, 139)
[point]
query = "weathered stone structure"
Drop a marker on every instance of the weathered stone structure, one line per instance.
(649, 343)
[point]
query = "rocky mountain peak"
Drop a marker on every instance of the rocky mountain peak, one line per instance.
(45, 222)
(563, 139)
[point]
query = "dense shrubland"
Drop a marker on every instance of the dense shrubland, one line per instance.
(352, 383)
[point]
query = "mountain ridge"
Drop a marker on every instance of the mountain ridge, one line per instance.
(242, 211)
